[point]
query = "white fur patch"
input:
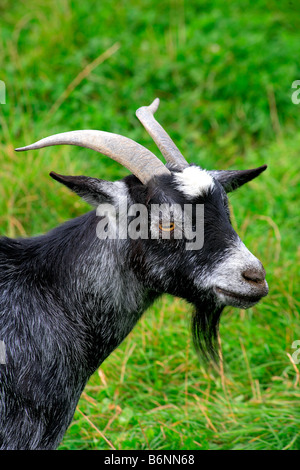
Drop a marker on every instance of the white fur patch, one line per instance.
(228, 273)
(193, 181)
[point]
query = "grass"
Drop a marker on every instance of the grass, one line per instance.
(224, 73)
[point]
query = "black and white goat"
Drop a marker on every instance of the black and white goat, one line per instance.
(69, 298)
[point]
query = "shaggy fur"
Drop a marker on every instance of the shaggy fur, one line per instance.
(68, 299)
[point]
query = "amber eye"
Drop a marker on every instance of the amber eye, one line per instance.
(167, 227)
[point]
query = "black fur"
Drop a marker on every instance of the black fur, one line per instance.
(68, 299)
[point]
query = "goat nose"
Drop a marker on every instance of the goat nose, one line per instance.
(254, 274)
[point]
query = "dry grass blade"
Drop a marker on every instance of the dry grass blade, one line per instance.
(96, 429)
(81, 76)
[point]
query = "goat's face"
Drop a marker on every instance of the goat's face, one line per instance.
(216, 262)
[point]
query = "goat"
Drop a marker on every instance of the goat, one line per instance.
(69, 298)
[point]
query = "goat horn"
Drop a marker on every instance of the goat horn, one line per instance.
(136, 158)
(159, 135)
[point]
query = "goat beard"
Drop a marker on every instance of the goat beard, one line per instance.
(205, 330)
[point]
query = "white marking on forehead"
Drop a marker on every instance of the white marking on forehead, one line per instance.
(193, 181)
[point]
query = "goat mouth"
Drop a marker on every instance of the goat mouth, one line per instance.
(240, 298)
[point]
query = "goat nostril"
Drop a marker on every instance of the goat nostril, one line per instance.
(254, 275)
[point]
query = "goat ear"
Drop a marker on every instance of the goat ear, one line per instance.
(92, 190)
(233, 179)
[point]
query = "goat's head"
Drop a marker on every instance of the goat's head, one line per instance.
(212, 272)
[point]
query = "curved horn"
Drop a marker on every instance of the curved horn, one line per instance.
(136, 158)
(159, 135)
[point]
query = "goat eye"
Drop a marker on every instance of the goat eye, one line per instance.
(167, 227)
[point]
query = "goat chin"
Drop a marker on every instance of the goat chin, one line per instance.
(242, 299)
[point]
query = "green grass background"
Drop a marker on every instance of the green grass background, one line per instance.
(223, 72)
